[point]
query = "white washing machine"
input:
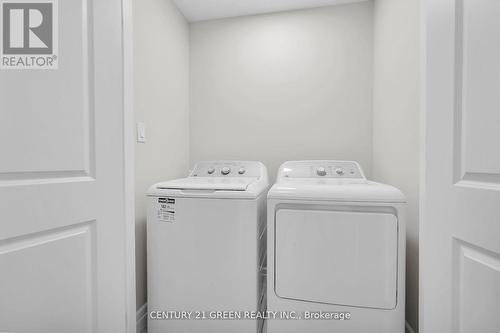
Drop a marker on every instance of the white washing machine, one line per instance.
(336, 251)
(206, 236)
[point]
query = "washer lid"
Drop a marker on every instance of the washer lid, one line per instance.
(207, 183)
(210, 187)
(217, 179)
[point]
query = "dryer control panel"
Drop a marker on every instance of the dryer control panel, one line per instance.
(321, 169)
(228, 169)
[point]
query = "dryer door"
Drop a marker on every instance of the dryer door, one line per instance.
(336, 257)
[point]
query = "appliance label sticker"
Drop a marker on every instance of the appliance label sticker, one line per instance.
(166, 210)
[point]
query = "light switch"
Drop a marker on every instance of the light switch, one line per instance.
(141, 132)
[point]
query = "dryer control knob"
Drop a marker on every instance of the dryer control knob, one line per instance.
(321, 171)
(339, 171)
(211, 170)
(225, 170)
(241, 171)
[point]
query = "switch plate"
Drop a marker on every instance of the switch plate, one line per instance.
(141, 132)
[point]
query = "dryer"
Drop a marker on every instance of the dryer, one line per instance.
(336, 251)
(206, 243)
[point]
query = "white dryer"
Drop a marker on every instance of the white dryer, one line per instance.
(205, 237)
(336, 251)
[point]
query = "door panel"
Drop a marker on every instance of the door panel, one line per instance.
(63, 247)
(460, 226)
(42, 265)
(477, 99)
(54, 136)
(477, 285)
(334, 257)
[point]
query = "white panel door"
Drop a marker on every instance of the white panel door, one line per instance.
(62, 177)
(460, 228)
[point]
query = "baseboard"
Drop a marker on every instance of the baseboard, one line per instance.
(142, 319)
(408, 329)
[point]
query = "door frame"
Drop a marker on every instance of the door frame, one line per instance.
(129, 161)
(422, 141)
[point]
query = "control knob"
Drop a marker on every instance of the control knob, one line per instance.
(321, 171)
(225, 170)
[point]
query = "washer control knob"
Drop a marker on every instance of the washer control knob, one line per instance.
(225, 170)
(339, 171)
(210, 171)
(321, 171)
(241, 171)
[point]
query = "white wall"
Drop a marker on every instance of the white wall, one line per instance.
(292, 85)
(396, 119)
(277, 87)
(161, 75)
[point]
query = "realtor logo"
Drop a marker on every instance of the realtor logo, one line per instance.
(29, 34)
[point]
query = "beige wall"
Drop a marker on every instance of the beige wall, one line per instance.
(396, 119)
(284, 86)
(161, 75)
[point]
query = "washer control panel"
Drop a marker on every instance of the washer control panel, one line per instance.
(321, 169)
(227, 169)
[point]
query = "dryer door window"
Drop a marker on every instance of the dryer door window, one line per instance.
(336, 257)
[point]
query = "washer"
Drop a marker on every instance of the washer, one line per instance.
(206, 236)
(336, 251)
